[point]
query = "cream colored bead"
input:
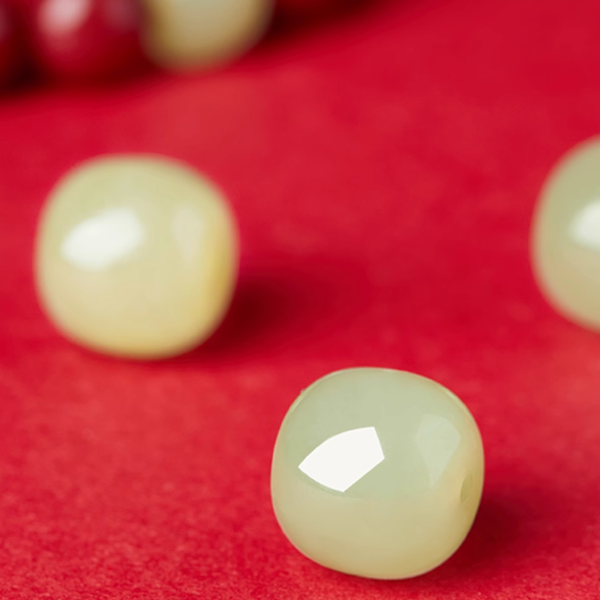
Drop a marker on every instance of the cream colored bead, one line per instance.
(566, 236)
(191, 34)
(377, 473)
(136, 256)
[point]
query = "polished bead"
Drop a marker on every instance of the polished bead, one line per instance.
(566, 235)
(377, 473)
(136, 256)
(203, 33)
(10, 46)
(87, 39)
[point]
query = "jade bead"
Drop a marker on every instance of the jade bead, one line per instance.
(565, 244)
(377, 473)
(136, 256)
(184, 35)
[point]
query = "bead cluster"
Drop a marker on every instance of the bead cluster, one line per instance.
(87, 40)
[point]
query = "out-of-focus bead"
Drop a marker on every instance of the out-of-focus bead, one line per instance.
(87, 39)
(566, 236)
(10, 44)
(203, 33)
(136, 256)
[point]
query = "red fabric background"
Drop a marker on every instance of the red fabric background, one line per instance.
(384, 167)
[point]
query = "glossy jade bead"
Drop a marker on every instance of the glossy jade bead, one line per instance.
(87, 39)
(201, 34)
(566, 236)
(136, 256)
(377, 473)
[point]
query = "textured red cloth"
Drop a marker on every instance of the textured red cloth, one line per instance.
(384, 168)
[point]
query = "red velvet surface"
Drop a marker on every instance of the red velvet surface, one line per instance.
(384, 167)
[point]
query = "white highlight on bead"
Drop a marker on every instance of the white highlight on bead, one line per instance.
(344, 459)
(65, 15)
(585, 227)
(99, 242)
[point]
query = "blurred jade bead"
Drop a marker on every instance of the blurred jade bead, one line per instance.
(377, 473)
(566, 236)
(136, 256)
(192, 34)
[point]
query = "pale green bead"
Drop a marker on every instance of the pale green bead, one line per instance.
(566, 235)
(377, 473)
(136, 256)
(192, 34)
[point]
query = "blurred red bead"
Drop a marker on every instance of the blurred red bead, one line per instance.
(10, 47)
(87, 39)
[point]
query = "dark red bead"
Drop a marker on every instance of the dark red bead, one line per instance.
(10, 46)
(87, 39)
